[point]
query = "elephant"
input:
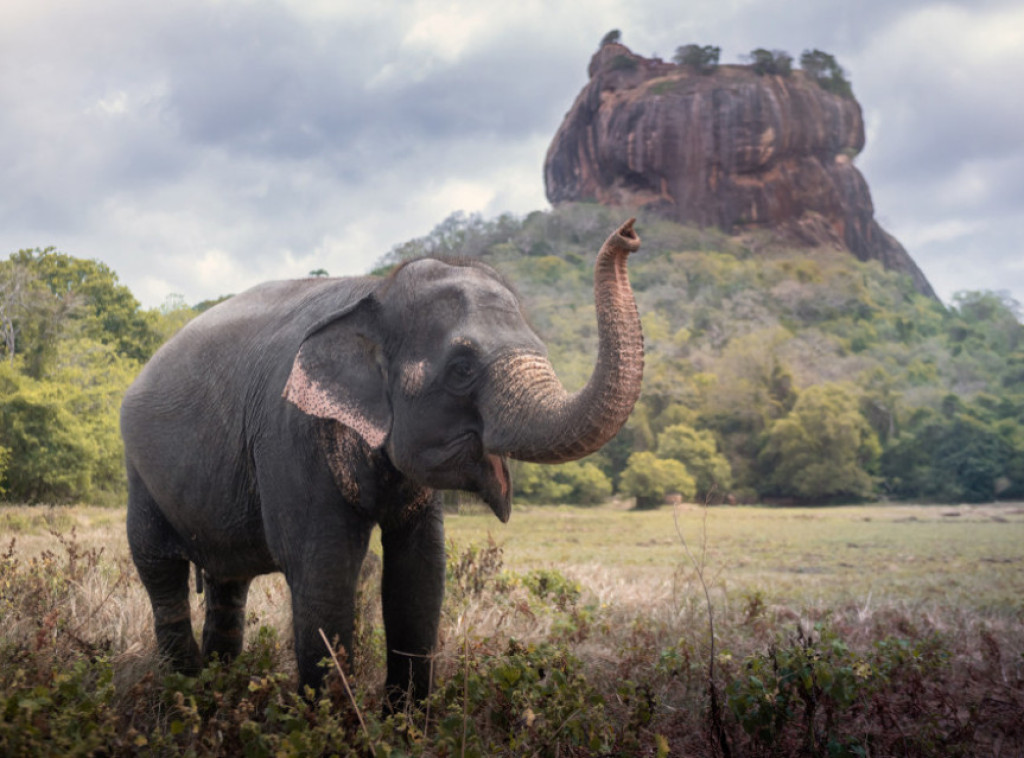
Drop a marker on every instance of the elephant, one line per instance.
(278, 428)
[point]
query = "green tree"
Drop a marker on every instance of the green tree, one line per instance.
(15, 288)
(5, 458)
(823, 449)
(650, 479)
(574, 483)
(84, 297)
(698, 451)
(703, 58)
(771, 62)
(954, 457)
(611, 38)
(31, 316)
(51, 454)
(985, 321)
(61, 433)
(172, 314)
(92, 379)
(823, 69)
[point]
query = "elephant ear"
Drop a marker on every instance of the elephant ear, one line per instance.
(338, 373)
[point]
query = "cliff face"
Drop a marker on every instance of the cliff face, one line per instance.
(730, 149)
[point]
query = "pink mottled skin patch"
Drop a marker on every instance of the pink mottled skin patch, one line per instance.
(311, 397)
(413, 376)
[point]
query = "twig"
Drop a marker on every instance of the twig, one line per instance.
(465, 689)
(344, 681)
(554, 734)
(430, 691)
(699, 566)
(87, 619)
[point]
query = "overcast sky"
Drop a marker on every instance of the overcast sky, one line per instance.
(199, 147)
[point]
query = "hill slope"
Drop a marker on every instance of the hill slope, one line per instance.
(816, 376)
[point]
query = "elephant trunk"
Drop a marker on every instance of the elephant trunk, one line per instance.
(531, 417)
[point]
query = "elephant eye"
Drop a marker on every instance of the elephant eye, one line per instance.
(460, 375)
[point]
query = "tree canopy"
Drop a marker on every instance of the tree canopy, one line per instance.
(703, 58)
(823, 69)
(73, 339)
(770, 372)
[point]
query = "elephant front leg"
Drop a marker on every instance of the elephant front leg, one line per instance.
(323, 591)
(412, 589)
(333, 615)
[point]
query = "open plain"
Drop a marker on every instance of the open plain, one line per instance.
(875, 629)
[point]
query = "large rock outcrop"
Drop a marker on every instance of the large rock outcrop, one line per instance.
(731, 149)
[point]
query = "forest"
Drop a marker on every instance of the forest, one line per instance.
(773, 374)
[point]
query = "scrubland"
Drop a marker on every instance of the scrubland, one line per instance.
(860, 630)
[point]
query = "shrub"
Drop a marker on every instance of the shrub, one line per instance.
(952, 457)
(574, 483)
(698, 451)
(824, 70)
(702, 58)
(624, 63)
(771, 62)
(650, 479)
(824, 448)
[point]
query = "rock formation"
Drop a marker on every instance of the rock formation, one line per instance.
(731, 149)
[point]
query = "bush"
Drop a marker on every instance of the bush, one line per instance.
(698, 451)
(702, 58)
(51, 456)
(771, 62)
(952, 458)
(61, 433)
(823, 449)
(650, 479)
(574, 483)
(5, 456)
(824, 70)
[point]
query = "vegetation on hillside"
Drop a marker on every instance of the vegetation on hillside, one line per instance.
(771, 373)
(803, 375)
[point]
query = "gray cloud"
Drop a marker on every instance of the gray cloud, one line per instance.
(199, 147)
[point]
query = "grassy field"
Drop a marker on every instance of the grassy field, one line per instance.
(870, 630)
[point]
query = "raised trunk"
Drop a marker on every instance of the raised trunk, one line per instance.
(532, 418)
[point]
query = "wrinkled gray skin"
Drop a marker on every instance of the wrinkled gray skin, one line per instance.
(275, 430)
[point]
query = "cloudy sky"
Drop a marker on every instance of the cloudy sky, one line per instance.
(200, 146)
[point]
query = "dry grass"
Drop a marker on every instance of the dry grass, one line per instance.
(636, 621)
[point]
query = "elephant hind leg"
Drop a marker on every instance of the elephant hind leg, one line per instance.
(166, 581)
(164, 571)
(224, 627)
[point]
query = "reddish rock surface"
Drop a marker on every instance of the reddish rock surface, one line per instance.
(730, 149)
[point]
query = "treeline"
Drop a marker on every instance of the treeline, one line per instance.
(821, 67)
(72, 338)
(771, 374)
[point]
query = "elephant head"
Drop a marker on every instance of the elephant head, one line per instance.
(438, 367)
